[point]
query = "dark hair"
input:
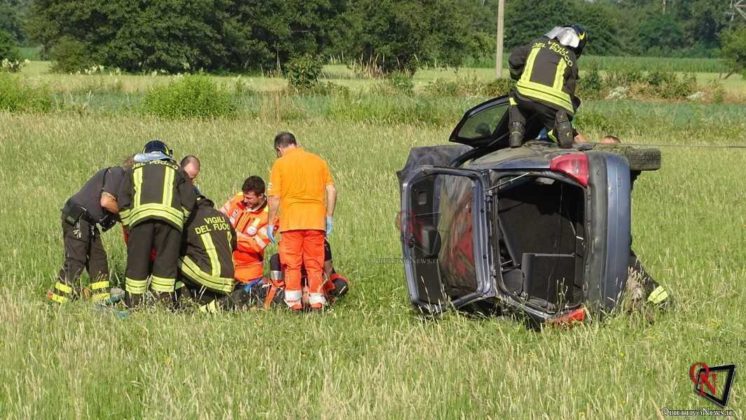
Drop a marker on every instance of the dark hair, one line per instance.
(253, 184)
(189, 159)
(284, 139)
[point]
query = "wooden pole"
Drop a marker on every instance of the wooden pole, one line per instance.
(500, 35)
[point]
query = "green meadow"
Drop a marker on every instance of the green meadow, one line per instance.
(371, 356)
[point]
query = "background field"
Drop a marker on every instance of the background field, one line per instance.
(370, 356)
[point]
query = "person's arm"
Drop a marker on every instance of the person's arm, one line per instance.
(187, 196)
(109, 203)
(331, 199)
(274, 209)
(517, 60)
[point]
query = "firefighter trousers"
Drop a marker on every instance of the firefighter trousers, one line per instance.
(83, 250)
(166, 240)
(521, 109)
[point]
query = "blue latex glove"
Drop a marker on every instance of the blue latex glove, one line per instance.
(329, 225)
(271, 233)
(250, 285)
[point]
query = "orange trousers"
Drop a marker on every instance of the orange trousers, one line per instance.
(303, 248)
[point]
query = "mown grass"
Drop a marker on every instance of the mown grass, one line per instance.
(370, 356)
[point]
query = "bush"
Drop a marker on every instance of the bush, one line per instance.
(191, 96)
(303, 73)
(17, 97)
(8, 50)
(498, 87)
(70, 55)
(591, 85)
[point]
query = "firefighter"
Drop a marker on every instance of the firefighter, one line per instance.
(156, 199)
(546, 71)
(96, 204)
(302, 194)
(206, 263)
(249, 213)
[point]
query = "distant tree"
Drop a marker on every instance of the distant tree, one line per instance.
(12, 13)
(400, 35)
(734, 50)
(660, 33)
(528, 19)
(7, 46)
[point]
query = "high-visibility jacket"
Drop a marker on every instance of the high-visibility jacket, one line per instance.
(546, 72)
(207, 249)
(155, 190)
(251, 229)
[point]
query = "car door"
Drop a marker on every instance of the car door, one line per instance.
(484, 124)
(445, 237)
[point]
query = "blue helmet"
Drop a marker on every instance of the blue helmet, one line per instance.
(156, 145)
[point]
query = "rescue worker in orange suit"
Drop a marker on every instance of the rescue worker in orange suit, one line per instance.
(335, 285)
(95, 205)
(155, 200)
(249, 214)
(301, 194)
(546, 71)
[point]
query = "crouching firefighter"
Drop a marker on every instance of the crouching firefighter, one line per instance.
(156, 199)
(206, 264)
(547, 72)
(334, 285)
(93, 206)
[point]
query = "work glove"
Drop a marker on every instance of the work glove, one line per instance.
(271, 233)
(329, 225)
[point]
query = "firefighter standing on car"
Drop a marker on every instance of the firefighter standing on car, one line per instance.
(301, 194)
(93, 206)
(155, 201)
(546, 71)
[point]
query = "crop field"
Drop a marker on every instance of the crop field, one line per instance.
(370, 356)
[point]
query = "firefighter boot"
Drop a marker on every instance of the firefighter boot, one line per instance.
(563, 129)
(517, 131)
(133, 300)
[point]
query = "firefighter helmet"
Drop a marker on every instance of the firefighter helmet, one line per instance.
(573, 36)
(156, 145)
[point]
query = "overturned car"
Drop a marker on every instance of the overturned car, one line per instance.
(535, 230)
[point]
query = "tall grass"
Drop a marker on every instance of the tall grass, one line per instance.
(371, 356)
(625, 63)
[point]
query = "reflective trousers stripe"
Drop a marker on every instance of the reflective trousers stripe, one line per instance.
(98, 297)
(100, 285)
(57, 298)
(62, 287)
(161, 284)
(316, 298)
(658, 295)
(137, 287)
(210, 308)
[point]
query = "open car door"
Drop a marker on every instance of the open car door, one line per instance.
(445, 237)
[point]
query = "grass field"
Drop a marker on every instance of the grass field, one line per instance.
(371, 356)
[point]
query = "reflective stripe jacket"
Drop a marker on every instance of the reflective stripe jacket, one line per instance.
(251, 228)
(207, 249)
(547, 72)
(156, 190)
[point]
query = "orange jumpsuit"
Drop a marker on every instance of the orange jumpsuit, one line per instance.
(299, 178)
(251, 228)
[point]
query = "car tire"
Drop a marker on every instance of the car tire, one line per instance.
(640, 159)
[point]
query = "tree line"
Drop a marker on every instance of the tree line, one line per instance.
(386, 35)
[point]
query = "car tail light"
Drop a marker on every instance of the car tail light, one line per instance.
(574, 165)
(570, 318)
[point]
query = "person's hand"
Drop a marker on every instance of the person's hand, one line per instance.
(271, 233)
(329, 225)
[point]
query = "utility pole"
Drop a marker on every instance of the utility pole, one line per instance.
(500, 35)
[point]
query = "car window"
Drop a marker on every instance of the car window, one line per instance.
(481, 123)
